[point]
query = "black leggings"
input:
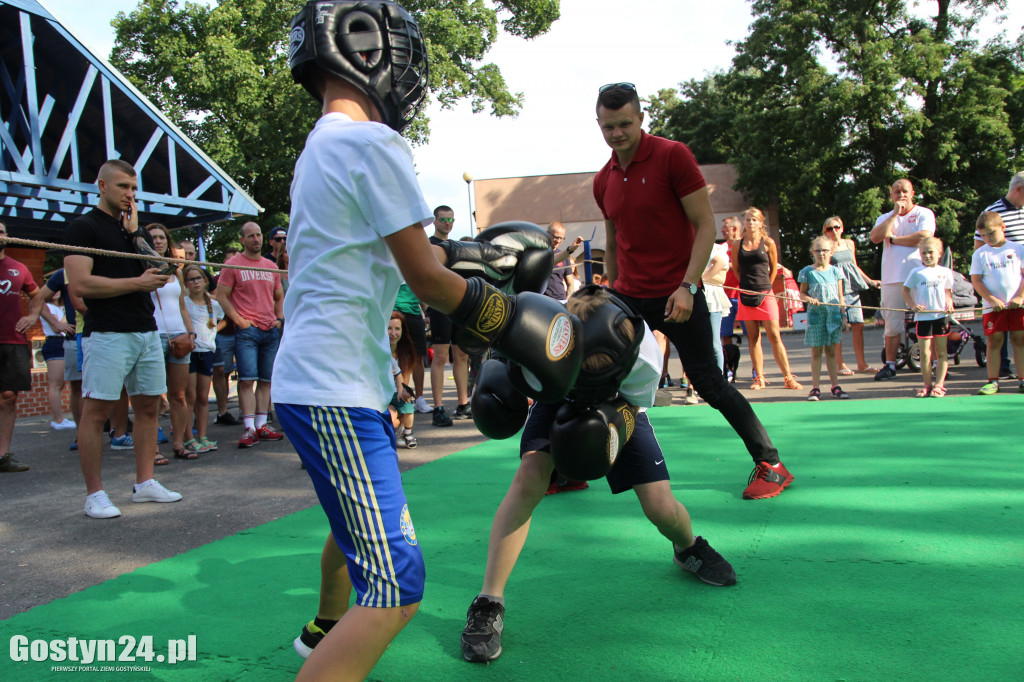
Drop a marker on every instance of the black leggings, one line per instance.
(692, 340)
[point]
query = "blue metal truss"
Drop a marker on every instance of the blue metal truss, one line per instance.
(64, 111)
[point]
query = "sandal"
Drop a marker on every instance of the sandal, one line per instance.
(846, 372)
(867, 370)
(185, 453)
(195, 446)
(939, 392)
(924, 392)
(159, 460)
(758, 384)
(792, 383)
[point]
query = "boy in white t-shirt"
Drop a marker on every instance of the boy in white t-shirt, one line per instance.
(356, 231)
(929, 293)
(998, 277)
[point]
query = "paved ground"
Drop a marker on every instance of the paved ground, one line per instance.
(49, 548)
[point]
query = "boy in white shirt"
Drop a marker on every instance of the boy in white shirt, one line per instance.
(996, 273)
(928, 291)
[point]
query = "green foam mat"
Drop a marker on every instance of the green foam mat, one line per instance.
(895, 554)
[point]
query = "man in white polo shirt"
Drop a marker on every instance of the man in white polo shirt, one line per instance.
(899, 232)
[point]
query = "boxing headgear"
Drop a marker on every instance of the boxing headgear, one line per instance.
(375, 45)
(601, 335)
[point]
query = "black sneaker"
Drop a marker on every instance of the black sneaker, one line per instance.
(441, 417)
(227, 419)
(887, 372)
(463, 412)
(307, 641)
(481, 640)
(705, 563)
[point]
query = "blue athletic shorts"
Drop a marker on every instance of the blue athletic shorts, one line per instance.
(641, 459)
(350, 455)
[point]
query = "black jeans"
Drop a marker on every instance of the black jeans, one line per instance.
(692, 340)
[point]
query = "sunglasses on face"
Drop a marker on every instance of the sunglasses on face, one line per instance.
(832, 228)
(613, 86)
(194, 279)
(446, 220)
(277, 239)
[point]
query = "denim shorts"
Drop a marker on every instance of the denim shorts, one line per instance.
(168, 356)
(115, 359)
(201, 363)
(224, 356)
(72, 371)
(255, 350)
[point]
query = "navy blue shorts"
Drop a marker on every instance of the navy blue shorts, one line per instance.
(53, 348)
(350, 455)
(641, 459)
(202, 363)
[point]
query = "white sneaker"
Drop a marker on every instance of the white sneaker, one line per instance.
(154, 492)
(99, 506)
(62, 426)
(422, 407)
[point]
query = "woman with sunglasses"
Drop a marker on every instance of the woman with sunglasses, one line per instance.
(844, 256)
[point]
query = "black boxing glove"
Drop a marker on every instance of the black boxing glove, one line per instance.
(496, 264)
(534, 332)
(499, 410)
(534, 255)
(587, 439)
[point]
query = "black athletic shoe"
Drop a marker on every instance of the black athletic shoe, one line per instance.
(481, 640)
(227, 419)
(307, 641)
(886, 372)
(463, 412)
(441, 417)
(705, 563)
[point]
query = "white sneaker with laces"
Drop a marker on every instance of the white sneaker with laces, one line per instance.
(154, 492)
(99, 506)
(421, 406)
(62, 426)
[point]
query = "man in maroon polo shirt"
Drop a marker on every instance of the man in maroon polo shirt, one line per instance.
(660, 229)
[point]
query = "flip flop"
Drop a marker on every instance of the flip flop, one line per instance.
(159, 460)
(869, 370)
(846, 372)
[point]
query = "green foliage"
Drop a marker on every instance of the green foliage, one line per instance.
(221, 74)
(829, 101)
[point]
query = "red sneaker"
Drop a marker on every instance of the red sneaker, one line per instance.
(767, 481)
(249, 439)
(267, 433)
(564, 485)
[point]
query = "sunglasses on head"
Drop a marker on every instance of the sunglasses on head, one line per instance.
(613, 86)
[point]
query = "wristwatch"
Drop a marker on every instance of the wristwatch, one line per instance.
(692, 288)
(891, 242)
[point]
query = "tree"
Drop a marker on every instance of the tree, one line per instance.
(829, 101)
(221, 74)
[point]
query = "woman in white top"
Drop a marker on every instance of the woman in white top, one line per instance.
(173, 320)
(714, 292)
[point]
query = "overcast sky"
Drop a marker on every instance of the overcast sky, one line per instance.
(653, 43)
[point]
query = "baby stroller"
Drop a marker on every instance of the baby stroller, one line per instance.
(959, 338)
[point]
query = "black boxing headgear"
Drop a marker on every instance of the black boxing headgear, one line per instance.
(601, 334)
(375, 45)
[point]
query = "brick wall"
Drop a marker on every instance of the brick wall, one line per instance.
(34, 403)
